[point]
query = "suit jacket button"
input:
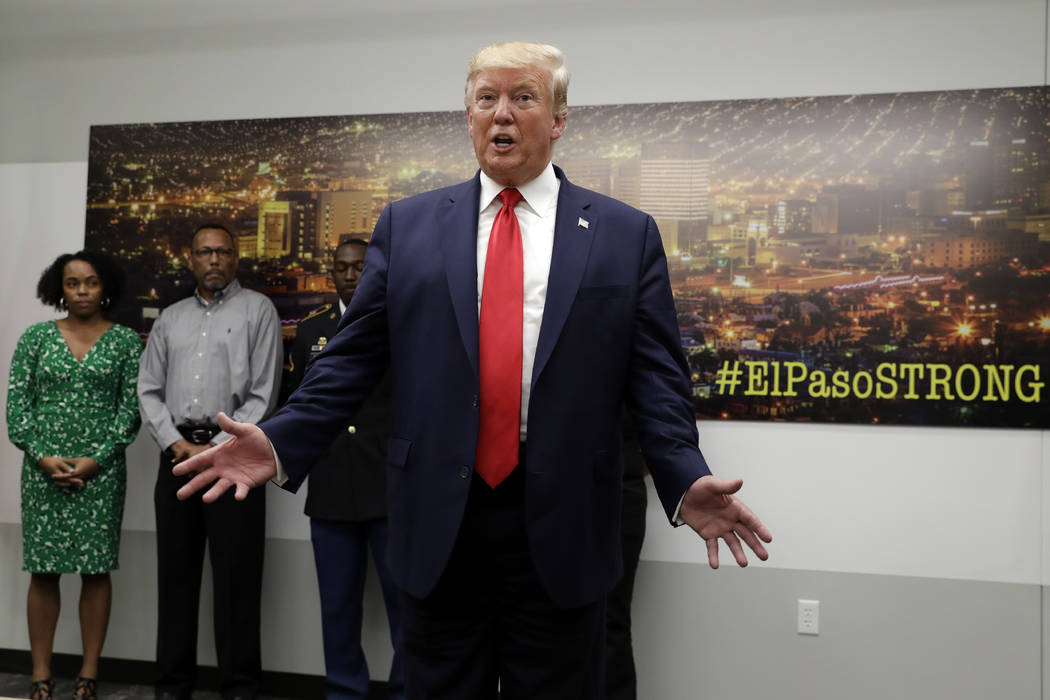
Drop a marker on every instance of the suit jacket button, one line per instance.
(476, 402)
(464, 471)
(351, 429)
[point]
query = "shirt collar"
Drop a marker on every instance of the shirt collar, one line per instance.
(224, 293)
(538, 192)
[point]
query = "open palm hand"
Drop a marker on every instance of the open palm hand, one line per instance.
(711, 509)
(244, 461)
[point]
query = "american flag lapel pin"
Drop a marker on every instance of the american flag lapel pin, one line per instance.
(583, 223)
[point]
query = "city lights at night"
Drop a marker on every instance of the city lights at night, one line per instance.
(835, 234)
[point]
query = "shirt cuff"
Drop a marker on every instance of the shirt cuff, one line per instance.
(281, 476)
(168, 436)
(677, 520)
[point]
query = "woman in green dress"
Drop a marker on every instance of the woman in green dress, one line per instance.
(72, 408)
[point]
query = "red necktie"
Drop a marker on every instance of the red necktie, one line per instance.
(499, 335)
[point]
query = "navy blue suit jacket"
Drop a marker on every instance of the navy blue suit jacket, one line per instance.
(609, 335)
(348, 481)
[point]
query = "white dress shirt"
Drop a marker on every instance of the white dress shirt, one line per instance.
(536, 214)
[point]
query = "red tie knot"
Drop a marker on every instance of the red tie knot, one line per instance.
(510, 197)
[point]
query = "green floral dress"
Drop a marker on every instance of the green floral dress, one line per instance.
(59, 406)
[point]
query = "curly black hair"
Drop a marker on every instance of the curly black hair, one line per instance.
(49, 288)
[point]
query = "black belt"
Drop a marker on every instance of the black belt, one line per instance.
(198, 434)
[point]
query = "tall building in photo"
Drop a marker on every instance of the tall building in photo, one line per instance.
(824, 217)
(247, 245)
(1019, 170)
(674, 188)
(592, 173)
(846, 209)
(342, 212)
(978, 175)
(274, 236)
(626, 181)
(1007, 174)
(893, 204)
(858, 209)
(938, 201)
(758, 229)
(794, 217)
(303, 221)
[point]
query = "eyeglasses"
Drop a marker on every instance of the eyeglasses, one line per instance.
(206, 253)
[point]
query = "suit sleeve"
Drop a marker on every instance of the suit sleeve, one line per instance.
(658, 391)
(343, 375)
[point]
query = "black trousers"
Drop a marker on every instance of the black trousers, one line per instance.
(621, 680)
(234, 532)
(489, 624)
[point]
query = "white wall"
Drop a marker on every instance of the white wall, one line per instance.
(891, 500)
(905, 515)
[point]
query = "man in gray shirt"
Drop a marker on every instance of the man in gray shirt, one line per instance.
(218, 350)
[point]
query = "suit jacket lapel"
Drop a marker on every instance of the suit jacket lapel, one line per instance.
(572, 244)
(457, 221)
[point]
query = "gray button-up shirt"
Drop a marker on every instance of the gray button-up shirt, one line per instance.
(205, 357)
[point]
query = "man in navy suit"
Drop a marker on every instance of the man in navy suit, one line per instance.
(505, 542)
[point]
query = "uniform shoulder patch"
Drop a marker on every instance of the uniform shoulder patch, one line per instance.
(316, 312)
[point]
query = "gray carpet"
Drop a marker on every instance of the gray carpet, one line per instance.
(14, 685)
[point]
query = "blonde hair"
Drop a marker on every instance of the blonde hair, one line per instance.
(523, 54)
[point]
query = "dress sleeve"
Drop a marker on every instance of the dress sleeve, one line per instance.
(126, 419)
(22, 396)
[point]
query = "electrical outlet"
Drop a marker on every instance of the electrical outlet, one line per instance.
(808, 616)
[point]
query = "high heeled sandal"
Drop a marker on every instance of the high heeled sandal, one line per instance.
(84, 689)
(42, 690)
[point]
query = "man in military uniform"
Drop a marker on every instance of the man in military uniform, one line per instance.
(346, 503)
